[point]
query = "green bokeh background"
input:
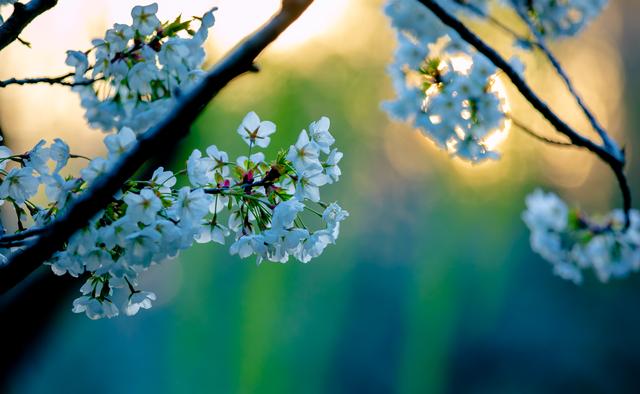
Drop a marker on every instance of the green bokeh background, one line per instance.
(432, 286)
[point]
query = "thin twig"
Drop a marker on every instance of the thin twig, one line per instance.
(23, 42)
(50, 80)
(22, 15)
(541, 44)
(170, 128)
(538, 136)
(496, 22)
(267, 181)
(613, 157)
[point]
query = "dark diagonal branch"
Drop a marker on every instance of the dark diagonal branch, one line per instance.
(22, 15)
(615, 158)
(61, 80)
(169, 129)
(23, 235)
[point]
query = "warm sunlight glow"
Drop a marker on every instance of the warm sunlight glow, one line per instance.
(496, 138)
(237, 18)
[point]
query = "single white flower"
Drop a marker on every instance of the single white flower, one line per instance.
(331, 168)
(309, 183)
(256, 132)
(145, 20)
(163, 180)
(320, 136)
(200, 169)
(38, 157)
(119, 143)
(19, 184)
(96, 168)
(285, 213)
(59, 153)
(79, 61)
(303, 154)
(191, 206)
(142, 207)
(220, 158)
(139, 300)
(93, 308)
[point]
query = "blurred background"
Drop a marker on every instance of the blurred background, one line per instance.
(432, 286)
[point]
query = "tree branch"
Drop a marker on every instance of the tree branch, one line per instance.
(50, 80)
(615, 158)
(23, 235)
(22, 15)
(172, 127)
(541, 44)
(537, 136)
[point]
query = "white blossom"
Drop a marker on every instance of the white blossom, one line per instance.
(142, 207)
(145, 20)
(139, 300)
(20, 184)
(573, 242)
(94, 308)
(303, 154)
(256, 132)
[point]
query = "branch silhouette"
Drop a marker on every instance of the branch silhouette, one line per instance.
(22, 15)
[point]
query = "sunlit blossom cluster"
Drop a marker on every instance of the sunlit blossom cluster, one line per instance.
(443, 87)
(448, 91)
(260, 207)
(575, 243)
(138, 69)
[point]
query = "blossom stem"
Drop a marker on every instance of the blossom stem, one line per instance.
(72, 156)
(312, 210)
(172, 127)
(536, 135)
(496, 22)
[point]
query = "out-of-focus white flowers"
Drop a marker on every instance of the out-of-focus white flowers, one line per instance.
(573, 242)
(259, 205)
(443, 87)
(556, 19)
(138, 68)
(448, 91)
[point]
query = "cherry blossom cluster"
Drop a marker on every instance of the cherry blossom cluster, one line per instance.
(260, 207)
(136, 70)
(443, 87)
(447, 90)
(574, 242)
(556, 19)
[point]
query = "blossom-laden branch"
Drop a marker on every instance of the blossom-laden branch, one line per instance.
(608, 152)
(541, 44)
(187, 107)
(22, 15)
